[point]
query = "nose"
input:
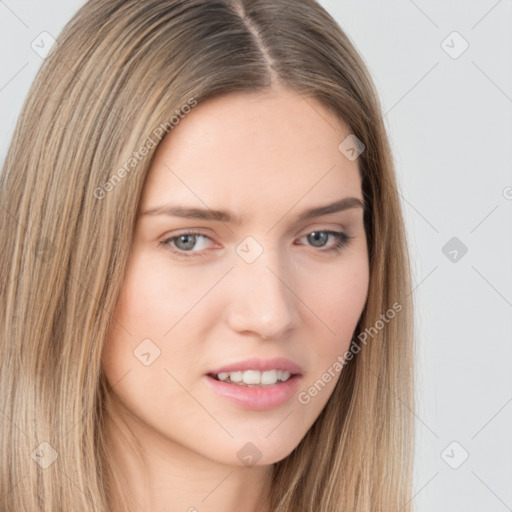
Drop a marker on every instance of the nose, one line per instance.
(263, 301)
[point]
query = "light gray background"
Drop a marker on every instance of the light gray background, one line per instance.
(450, 124)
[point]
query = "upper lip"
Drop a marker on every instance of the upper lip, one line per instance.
(277, 363)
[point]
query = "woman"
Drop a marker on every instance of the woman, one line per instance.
(205, 271)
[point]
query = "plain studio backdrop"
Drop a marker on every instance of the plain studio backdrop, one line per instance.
(443, 71)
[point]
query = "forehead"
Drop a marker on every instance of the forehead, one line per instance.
(271, 149)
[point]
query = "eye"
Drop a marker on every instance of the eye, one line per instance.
(319, 238)
(183, 243)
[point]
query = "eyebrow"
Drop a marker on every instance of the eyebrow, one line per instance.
(225, 216)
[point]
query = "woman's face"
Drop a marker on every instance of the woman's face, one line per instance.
(257, 293)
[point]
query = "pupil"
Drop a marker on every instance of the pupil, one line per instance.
(188, 245)
(315, 236)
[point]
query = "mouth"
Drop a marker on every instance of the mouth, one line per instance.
(254, 378)
(256, 384)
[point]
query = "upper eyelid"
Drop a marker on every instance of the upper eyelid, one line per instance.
(198, 231)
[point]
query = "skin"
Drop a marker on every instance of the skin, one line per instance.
(265, 157)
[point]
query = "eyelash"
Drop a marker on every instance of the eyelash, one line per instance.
(341, 240)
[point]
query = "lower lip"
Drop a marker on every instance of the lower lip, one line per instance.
(257, 398)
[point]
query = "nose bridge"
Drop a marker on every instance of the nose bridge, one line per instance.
(264, 302)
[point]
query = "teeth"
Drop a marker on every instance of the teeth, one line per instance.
(235, 376)
(269, 377)
(252, 377)
(255, 377)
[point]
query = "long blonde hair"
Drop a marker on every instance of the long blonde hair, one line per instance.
(121, 69)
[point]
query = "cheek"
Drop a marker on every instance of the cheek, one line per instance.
(338, 297)
(156, 296)
(145, 340)
(156, 302)
(336, 300)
